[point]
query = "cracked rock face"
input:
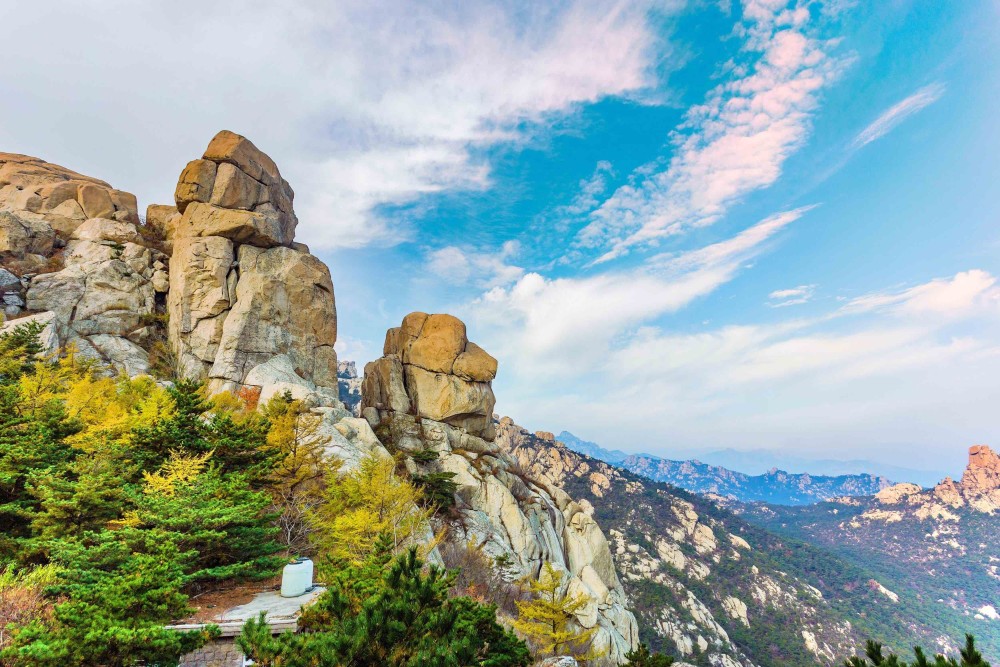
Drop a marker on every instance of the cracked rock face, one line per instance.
(431, 390)
(431, 370)
(241, 292)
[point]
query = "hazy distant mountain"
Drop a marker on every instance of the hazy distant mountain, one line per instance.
(774, 486)
(762, 461)
(591, 449)
(759, 461)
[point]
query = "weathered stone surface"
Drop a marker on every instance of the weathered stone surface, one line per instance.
(475, 364)
(61, 198)
(259, 228)
(276, 376)
(195, 184)
(230, 147)
(448, 398)
(382, 387)
(425, 349)
(197, 300)
(234, 189)
(102, 229)
(162, 219)
(437, 344)
(284, 305)
(23, 235)
(95, 201)
(897, 493)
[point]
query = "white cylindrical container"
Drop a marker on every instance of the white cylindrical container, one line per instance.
(296, 578)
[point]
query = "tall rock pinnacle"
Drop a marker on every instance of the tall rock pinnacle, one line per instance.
(247, 305)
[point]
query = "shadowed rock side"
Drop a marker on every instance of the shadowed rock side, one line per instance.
(432, 391)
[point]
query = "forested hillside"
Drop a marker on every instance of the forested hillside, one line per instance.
(712, 586)
(937, 548)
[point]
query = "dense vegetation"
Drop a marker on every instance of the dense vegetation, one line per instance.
(936, 583)
(122, 497)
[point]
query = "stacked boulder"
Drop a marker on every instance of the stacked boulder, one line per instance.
(98, 292)
(104, 299)
(431, 391)
(41, 206)
(430, 370)
(248, 307)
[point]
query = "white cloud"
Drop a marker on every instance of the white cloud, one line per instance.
(899, 112)
(362, 104)
(548, 325)
(482, 268)
(792, 296)
(893, 372)
(734, 143)
(966, 292)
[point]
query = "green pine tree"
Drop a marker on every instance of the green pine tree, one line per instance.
(874, 655)
(116, 603)
(390, 613)
(642, 657)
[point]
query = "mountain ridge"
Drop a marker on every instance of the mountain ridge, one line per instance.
(693, 475)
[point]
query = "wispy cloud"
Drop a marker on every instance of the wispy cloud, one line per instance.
(969, 291)
(479, 267)
(899, 112)
(734, 143)
(856, 373)
(548, 325)
(792, 296)
(362, 104)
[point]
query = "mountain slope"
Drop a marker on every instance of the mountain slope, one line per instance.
(941, 545)
(713, 588)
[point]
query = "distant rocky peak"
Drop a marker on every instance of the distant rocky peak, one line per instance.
(982, 475)
(979, 489)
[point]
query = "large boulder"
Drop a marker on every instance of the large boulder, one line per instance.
(235, 191)
(284, 305)
(431, 370)
(248, 307)
(61, 198)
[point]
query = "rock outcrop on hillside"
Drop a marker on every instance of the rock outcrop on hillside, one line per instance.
(938, 545)
(978, 490)
(247, 306)
(75, 243)
(432, 391)
(705, 584)
(431, 370)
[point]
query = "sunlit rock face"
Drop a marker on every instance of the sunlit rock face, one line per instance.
(431, 370)
(246, 303)
(431, 390)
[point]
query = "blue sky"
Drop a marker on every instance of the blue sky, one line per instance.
(677, 225)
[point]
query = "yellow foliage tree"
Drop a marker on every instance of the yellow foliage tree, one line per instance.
(298, 480)
(363, 504)
(178, 469)
(547, 620)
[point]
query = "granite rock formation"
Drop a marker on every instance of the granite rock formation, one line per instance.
(70, 245)
(247, 306)
(431, 391)
(431, 370)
